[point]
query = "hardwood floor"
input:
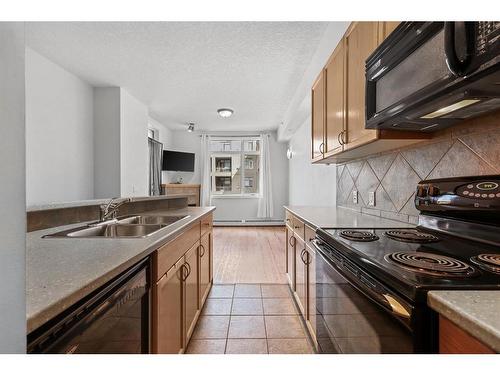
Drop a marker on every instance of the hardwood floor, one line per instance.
(249, 255)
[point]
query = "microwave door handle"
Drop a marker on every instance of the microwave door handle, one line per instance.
(457, 66)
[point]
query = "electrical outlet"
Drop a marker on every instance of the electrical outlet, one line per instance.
(355, 196)
(371, 198)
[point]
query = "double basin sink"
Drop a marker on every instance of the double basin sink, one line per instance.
(137, 226)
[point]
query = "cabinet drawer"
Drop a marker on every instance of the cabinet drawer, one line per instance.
(206, 224)
(298, 227)
(168, 254)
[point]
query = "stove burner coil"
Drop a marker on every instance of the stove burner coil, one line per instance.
(431, 264)
(411, 236)
(357, 235)
(488, 262)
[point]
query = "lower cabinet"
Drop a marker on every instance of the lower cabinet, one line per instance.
(205, 255)
(290, 257)
(301, 276)
(191, 301)
(180, 292)
(301, 269)
(168, 311)
(454, 340)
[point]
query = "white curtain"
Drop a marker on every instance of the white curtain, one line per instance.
(206, 199)
(265, 209)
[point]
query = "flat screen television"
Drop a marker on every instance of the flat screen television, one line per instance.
(178, 161)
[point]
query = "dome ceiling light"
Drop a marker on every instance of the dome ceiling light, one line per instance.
(225, 112)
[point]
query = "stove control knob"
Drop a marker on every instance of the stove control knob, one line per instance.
(433, 191)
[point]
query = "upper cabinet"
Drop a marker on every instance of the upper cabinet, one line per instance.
(361, 40)
(318, 117)
(338, 100)
(335, 110)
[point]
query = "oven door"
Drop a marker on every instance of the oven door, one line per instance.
(357, 316)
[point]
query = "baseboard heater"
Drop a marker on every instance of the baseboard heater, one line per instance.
(250, 223)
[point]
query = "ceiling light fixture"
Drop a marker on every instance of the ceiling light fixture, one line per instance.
(225, 112)
(190, 127)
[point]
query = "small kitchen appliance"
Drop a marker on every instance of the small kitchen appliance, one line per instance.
(372, 284)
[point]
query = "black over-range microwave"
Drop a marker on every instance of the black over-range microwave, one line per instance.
(429, 75)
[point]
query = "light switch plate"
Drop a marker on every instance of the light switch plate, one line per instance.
(371, 198)
(355, 196)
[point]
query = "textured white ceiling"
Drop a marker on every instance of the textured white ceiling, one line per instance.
(185, 71)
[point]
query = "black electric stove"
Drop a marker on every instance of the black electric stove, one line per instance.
(372, 284)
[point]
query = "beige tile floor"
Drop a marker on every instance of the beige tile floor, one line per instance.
(250, 319)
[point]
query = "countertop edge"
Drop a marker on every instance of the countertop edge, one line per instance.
(38, 319)
(95, 202)
(472, 325)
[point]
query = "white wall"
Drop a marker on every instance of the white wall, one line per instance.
(309, 184)
(59, 133)
(120, 144)
(134, 146)
(107, 142)
(12, 189)
(184, 141)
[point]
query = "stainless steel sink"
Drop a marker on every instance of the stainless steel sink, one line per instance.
(117, 230)
(151, 219)
(137, 226)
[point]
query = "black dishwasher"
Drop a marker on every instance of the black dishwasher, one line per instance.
(112, 320)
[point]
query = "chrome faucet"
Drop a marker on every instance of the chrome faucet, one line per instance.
(109, 210)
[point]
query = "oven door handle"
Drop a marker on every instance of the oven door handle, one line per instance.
(378, 294)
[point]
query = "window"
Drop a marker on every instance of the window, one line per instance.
(235, 164)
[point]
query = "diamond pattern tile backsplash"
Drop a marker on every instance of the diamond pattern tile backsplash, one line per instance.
(469, 149)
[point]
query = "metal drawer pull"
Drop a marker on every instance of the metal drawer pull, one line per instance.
(321, 147)
(203, 248)
(294, 241)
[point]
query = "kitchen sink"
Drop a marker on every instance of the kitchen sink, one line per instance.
(117, 230)
(137, 226)
(151, 219)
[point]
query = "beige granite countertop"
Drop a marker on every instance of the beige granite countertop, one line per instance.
(61, 271)
(475, 311)
(339, 217)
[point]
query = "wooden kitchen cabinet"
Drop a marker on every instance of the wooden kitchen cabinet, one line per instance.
(205, 262)
(191, 302)
(361, 40)
(338, 115)
(182, 275)
(290, 256)
(168, 336)
(318, 117)
(454, 340)
(301, 270)
(334, 97)
(386, 28)
(301, 277)
(311, 281)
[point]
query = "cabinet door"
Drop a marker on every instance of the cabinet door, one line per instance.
(335, 93)
(191, 301)
(311, 289)
(318, 117)
(205, 261)
(301, 277)
(360, 42)
(290, 257)
(388, 27)
(168, 312)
